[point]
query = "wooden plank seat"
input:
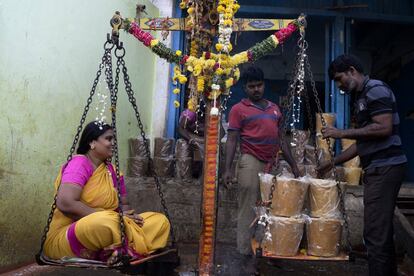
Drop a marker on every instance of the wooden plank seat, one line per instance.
(87, 263)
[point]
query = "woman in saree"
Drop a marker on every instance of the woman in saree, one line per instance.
(85, 223)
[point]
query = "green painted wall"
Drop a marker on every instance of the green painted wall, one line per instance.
(49, 55)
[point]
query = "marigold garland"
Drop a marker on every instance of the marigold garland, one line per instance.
(218, 70)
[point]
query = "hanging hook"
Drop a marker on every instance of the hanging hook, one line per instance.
(302, 24)
(116, 24)
(302, 20)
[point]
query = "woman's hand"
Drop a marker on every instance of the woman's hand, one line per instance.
(135, 217)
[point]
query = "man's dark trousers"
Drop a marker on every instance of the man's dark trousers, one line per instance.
(381, 186)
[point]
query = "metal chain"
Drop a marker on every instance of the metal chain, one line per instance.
(114, 98)
(291, 97)
(303, 45)
(311, 122)
(108, 46)
(132, 100)
(341, 192)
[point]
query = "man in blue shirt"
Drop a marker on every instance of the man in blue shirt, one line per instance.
(383, 161)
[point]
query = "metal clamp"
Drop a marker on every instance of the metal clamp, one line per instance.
(116, 24)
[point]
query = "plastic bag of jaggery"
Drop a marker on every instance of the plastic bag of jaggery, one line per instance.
(137, 166)
(346, 143)
(266, 180)
(323, 144)
(182, 149)
(260, 224)
(323, 198)
(164, 166)
(299, 140)
(163, 147)
(311, 171)
(339, 172)
(329, 118)
(284, 168)
(354, 162)
(311, 158)
(302, 169)
(323, 236)
(183, 168)
(285, 234)
(289, 196)
(137, 147)
(352, 175)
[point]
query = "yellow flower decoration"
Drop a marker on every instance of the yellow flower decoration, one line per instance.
(190, 10)
(239, 58)
(192, 102)
(210, 63)
(219, 71)
(197, 70)
(275, 40)
(178, 53)
(219, 47)
(227, 71)
(228, 16)
(177, 70)
(182, 5)
(220, 9)
(230, 47)
(237, 74)
(176, 91)
(154, 42)
(229, 82)
(182, 79)
(176, 104)
(200, 84)
(190, 59)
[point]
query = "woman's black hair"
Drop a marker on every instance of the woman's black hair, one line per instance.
(342, 64)
(252, 73)
(91, 133)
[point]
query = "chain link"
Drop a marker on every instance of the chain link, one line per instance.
(341, 192)
(311, 122)
(108, 46)
(132, 100)
(113, 88)
(291, 98)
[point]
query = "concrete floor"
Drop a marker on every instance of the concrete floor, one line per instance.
(226, 263)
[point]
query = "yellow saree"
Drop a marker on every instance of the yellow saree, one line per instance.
(93, 234)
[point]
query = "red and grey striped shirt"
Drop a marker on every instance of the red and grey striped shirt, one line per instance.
(258, 127)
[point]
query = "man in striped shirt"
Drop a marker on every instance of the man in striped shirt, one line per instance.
(255, 122)
(382, 158)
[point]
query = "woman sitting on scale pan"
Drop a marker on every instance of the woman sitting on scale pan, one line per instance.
(86, 221)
